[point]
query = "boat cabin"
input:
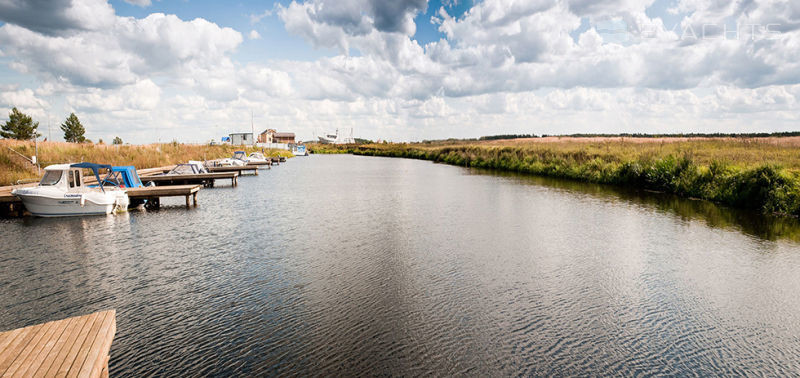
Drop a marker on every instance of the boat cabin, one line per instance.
(69, 177)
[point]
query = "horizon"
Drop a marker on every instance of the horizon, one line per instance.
(413, 70)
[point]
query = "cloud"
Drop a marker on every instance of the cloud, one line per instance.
(123, 51)
(141, 3)
(57, 17)
(254, 35)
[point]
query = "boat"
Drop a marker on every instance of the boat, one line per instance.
(300, 151)
(237, 160)
(337, 138)
(191, 168)
(61, 192)
(256, 157)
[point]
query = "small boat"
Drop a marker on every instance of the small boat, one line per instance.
(300, 151)
(236, 161)
(191, 168)
(61, 192)
(256, 157)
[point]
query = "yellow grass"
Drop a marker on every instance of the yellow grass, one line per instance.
(14, 168)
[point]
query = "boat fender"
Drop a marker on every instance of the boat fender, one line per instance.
(83, 200)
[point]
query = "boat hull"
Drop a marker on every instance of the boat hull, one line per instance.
(67, 205)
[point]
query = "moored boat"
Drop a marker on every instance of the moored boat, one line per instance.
(62, 192)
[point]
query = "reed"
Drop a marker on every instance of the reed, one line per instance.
(752, 174)
(14, 168)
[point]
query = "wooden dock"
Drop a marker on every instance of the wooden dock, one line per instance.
(72, 347)
(262, 164)
(153, 194)
(240, 169)
(205, 179)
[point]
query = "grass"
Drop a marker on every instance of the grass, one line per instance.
(753, 173)
(13, 167)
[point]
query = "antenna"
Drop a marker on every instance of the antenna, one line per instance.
(252, 128)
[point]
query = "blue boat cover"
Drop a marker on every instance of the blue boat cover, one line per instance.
(129, 175)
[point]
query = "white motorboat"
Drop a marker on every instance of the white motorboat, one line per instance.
(300, 151)
(236, 161)
(61, 192)
(256, 157)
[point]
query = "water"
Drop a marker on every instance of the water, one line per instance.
(358, 265)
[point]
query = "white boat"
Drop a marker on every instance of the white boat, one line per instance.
(300, 151)
(236, 161)
(61, 192)
(256, 157)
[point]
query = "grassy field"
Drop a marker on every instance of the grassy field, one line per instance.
(752, 173)
(13, 167)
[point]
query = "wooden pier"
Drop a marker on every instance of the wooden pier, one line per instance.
(205, 179)
(240, 169)
(264, 164)
(72, 347)
(153, 194)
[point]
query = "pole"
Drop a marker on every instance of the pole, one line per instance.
(36, 153)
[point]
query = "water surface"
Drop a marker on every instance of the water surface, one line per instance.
(363, 265)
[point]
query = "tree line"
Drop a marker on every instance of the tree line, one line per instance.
(21, 126)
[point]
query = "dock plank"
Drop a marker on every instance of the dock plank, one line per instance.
(73, 341)
(51, 357)
(15, 348)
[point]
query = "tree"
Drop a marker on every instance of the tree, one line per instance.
(73, 130)
(117, 140)
(19, 126)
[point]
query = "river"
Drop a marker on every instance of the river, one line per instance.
(353, 265)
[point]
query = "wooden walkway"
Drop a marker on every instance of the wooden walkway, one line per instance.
(153, 194)
(73, 347)
(240, 169)
(206, 179)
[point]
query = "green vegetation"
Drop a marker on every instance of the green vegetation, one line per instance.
(751, 174)
(19, 126)
(14, 167)
(73, 130)
(117, 140)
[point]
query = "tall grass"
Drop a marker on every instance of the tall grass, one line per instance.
(13, 167)
(741, 174)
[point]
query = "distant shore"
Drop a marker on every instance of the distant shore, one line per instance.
(760, 173)
(14, 167)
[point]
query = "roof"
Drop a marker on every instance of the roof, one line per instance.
(283, 135)
(57, 167)
(91, 166)
(241, 133)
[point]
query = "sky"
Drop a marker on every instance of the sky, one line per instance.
(400, 70)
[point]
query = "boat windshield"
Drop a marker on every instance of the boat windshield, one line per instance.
(50, 178)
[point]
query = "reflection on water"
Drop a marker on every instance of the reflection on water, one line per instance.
(353, 265)
(769, 227)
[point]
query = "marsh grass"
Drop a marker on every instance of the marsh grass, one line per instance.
(741, 173)
(13, 167)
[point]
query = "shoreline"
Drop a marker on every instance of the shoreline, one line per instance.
(722, 171)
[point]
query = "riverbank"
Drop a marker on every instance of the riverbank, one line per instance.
(751, 173)
(14, 167)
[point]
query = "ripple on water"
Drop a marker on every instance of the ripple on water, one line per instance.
(344, 265)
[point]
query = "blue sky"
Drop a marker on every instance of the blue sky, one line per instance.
(403, 70)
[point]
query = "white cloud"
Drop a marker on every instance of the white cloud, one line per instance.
(505, 66)
(141, 3)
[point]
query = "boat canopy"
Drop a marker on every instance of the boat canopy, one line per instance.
(94, 167)
(124, 176)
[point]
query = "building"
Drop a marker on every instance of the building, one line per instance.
(238, 139)
(272, 136)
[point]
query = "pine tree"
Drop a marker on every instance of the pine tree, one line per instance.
(117, 140)
(73, 130)
(19, 126)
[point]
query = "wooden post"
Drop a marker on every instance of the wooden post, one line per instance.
(187, 201)
(194, 198)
